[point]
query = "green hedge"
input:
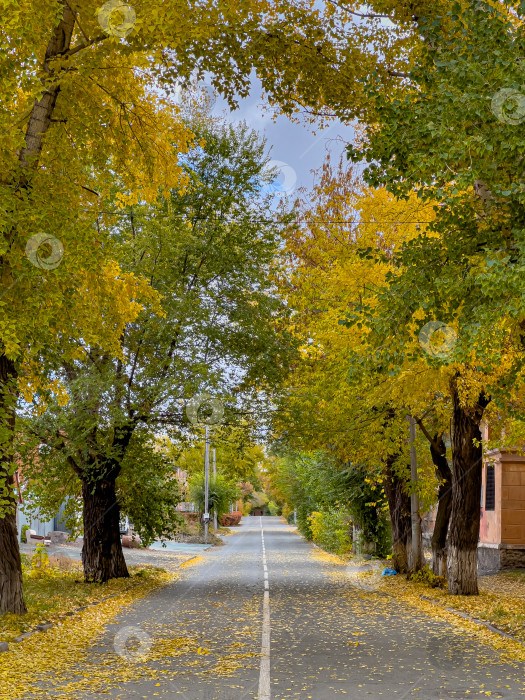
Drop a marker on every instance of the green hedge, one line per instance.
(330, 528)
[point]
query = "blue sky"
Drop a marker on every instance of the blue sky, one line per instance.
(300, 146)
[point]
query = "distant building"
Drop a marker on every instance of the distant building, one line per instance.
(35, 522)
(182, 477)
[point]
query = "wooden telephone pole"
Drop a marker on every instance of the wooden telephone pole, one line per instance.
(214, 475)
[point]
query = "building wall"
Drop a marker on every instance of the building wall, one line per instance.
(490, 523)
(41, 527)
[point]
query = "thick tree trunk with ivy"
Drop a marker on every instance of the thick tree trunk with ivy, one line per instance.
(439, 537)
(11, 590)
(462, 557)
(399, 508)
(102, 555)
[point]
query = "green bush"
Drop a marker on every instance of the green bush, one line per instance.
(317, 483)
(274, 508)
(221, 492)
(23, 535)
(303, 520)
(330, 529)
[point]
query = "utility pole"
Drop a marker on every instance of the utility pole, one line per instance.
(206, 483)
(214, 475)
(416, 554)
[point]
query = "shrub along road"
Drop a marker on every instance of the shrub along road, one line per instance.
(201, 637)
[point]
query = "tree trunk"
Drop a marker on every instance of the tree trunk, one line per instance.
(102, 555)
(11, 589)
(43, 108)
(399, 507)
(439, 538)
(462, 555)
(11, 595)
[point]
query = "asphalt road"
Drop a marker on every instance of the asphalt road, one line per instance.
(227, 631)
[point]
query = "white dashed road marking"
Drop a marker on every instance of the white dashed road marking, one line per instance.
(264, 677)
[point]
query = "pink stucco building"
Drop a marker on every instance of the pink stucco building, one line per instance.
(502, 528)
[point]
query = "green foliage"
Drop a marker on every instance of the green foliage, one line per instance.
(367, 507)
(274, 508)
(316, 482)
(221, 493)
(457, 142)
(23, 535)
(331, 530)
(426, 575)
(149, 492)
(287, 479)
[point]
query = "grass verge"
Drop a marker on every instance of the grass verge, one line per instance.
(55, 663)
(57, 587)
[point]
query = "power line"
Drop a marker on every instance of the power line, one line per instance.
(293, 221)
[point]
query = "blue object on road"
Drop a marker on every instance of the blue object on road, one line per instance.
(389, 572)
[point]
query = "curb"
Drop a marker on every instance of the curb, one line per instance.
(475, 620)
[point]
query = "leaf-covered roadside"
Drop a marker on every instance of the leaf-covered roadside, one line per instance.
(60, 591)
(29, 665)
(500, 602)
(72, 660)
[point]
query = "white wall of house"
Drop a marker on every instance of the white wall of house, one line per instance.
(41, 527)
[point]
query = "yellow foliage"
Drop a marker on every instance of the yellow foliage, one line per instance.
(27, 665)
(330, 275)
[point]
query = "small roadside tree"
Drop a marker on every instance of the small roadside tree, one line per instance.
(221, 492)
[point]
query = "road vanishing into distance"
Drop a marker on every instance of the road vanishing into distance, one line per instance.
(269, 617)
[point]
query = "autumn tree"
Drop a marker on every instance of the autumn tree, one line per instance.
(88, 94)
(238, 454)
(54, 148)
(221, 493)
(453, 138)
(333, 401)
(208, 254)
